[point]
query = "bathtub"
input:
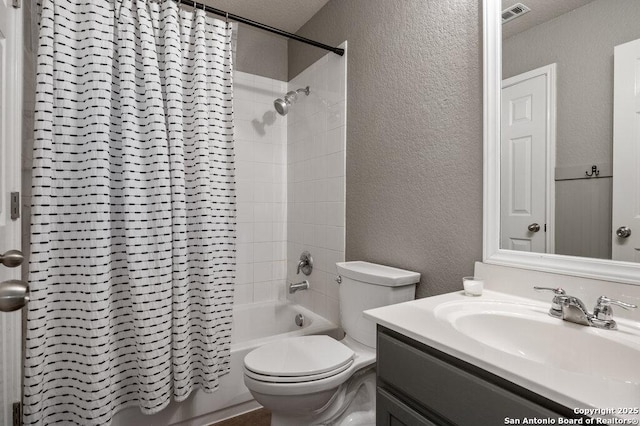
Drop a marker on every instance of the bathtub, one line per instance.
(253, 325)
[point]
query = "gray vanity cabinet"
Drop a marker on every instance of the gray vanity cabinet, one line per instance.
(419, 385)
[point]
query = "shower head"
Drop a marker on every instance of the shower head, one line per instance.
(282, 105)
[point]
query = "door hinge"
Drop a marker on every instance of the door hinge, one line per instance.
(17, 414)
(15, 205)
(17, 3)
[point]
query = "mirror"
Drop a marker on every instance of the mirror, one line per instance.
(565, 60)
(557, 141)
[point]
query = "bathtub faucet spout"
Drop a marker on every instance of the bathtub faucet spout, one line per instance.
(298, 286)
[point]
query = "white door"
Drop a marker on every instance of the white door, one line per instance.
(626, 152)
(10, 158)
(527, 152)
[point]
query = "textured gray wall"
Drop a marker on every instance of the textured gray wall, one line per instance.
(581, 43)
(414, 131)
(261, 53)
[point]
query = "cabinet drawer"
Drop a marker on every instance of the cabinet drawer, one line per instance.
(390, 411)
(448, 391)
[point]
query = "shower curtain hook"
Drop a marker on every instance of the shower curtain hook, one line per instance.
(226, 18)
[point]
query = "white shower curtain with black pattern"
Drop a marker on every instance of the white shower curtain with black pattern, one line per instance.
(133, 209)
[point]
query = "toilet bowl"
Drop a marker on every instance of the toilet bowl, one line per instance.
(316, 380)
(306, 375)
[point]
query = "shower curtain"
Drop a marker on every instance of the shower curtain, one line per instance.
(133, 209)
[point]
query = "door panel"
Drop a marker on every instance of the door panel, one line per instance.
(523, 172)
(10, 228)
(626, 151)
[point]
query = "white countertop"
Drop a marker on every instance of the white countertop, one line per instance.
(417, 320)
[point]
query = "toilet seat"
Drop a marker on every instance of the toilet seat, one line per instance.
(298, 359)
(296, 379)
(362, 357)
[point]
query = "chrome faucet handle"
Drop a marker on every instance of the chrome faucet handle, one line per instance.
(603, 310)
(556, 303)
(305, 264)
(558, 290)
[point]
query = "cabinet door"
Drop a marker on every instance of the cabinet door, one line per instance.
(392, 412)
(448, 391)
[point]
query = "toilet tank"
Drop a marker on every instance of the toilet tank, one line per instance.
(365, 286)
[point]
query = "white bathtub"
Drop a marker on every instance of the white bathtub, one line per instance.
(253, 325)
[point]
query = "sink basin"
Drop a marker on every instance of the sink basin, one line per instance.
(527, 331)
(515, 338)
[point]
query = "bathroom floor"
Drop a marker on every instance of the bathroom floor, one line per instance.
(261, 417)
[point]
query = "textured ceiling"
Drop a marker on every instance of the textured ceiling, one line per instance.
(287, 15)
(290, 15)
(541, 11)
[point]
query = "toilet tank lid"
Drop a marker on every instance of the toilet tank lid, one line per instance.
(377, 274)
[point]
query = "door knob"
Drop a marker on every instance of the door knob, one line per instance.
(12, 258)
(14, 294)
(534, 227)
(623, 232)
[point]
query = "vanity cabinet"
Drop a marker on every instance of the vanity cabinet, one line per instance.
(419, 385)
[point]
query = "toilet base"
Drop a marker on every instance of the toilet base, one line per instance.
(352, 404)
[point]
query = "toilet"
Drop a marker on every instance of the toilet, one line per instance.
(317, 380)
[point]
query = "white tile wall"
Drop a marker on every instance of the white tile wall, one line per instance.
(290, 174)
(316, 140)
(261, 176)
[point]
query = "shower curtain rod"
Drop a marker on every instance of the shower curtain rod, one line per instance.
(194, 4)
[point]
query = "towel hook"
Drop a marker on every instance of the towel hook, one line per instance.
(594, 171)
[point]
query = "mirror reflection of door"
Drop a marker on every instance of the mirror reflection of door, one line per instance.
(527, 141)
(626, 153)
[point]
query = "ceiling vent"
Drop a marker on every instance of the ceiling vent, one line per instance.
(513, 12)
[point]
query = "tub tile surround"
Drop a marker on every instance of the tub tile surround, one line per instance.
(316, 147)
(260, 149)
(290, 174)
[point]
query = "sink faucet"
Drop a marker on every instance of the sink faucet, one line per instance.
(570, 308)
(573, 310)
